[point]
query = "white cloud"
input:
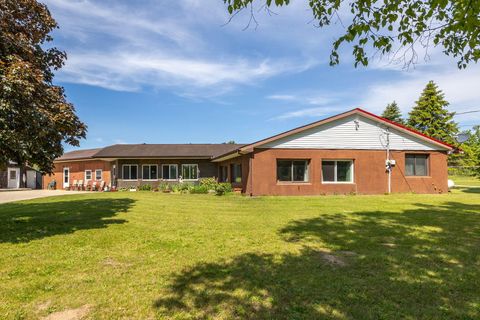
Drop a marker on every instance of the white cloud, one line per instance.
(132, 71)
(162, 45)
(459, 86)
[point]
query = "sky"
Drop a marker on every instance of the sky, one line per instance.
(179, 71)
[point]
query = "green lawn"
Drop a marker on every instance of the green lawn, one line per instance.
(147, 255)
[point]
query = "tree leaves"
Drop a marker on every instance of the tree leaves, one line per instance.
(35, 118)
(385, 24)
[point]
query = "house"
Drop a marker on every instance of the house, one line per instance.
(15, 176)
(343, 154)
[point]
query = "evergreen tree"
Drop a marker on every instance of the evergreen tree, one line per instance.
(392, 112)
(431, 117)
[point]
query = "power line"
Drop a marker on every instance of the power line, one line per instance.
(472, 111)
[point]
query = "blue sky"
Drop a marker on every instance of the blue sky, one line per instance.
(173, 72)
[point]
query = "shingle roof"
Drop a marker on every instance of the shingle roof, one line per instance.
(153, 151)
(78, 154)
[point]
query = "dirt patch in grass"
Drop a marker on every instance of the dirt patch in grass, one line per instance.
(110, 262)
(44, 305)
(336, 259)
(69, 314)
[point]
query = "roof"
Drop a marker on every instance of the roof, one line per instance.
(224, 150)
(249, 148)
(78, 154)
(206, 151)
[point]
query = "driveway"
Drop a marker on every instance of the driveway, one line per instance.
(10, 196)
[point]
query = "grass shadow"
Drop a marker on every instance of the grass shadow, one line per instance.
(25, 221)
(421, 263)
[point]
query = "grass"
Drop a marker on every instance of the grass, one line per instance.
(147, 255)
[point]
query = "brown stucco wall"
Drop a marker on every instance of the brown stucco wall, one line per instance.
(77, 172)
(369, 173)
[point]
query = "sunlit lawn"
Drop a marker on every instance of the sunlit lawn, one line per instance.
(148, 255)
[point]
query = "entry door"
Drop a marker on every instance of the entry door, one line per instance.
(14, 178)
(66, 177)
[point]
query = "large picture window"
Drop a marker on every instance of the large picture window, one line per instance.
(189, 171)
(130, 172)
(416, 165)
(169, 172)
(337, 171)
(292, 170)
(149, 172)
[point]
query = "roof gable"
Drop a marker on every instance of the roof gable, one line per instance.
(355, 129)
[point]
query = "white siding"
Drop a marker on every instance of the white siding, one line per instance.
(346, 134)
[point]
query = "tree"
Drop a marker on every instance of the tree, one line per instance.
(380, 26)
(431, 117)
(392, 112)
(35, 117)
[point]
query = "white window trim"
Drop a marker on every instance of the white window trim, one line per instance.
(101, 174)
(191, 164)
(168, 165)
(85, 175)
(150, 165)
(352, 174)
(127, 164)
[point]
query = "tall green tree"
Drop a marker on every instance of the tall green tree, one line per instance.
(383, 27)
(392, 112)
(35, 116)
(431, 116)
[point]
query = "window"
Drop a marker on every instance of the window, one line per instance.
(130, 171)
(223, 174)
(169, 172)
(236, 173)
(149, 172)
(13, 174)
(337, 171)
(98, 174)
(292, 170)
(190, 171)
(416, 164)
(88, 175)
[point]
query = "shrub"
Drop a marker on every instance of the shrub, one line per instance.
(223, 188)
(209, 183)
(199, 189)
(184, 187)
(164, 186)
(145, 187)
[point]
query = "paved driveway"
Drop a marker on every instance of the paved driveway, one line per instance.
(10, 196)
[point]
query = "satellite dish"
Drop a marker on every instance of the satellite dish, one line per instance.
(462, 137)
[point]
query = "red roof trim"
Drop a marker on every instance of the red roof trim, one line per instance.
(404, 127)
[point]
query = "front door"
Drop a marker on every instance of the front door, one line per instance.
(13, 178)
(66, 178)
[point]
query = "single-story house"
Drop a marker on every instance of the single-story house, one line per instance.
(352, 152)
(15, 176)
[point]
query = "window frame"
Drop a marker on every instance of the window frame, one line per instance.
(85, 175)
(169, 165)
(130, 171)
(149, 171)
(101, 174)
(191, 164)
(427, 165)
(335, 172)
(307, 161)
(233, 171)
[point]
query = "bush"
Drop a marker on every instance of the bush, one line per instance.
(223, 188)
(184, 187)
(209, 183)
(199, 189)
(145, 187)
